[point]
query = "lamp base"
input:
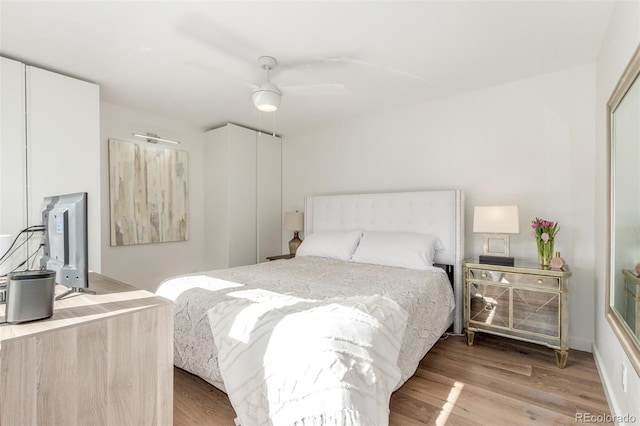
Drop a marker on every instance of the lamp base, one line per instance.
(497, 260)
(294, 243)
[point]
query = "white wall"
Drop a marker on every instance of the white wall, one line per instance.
(622, 39)
(529, 143)
(145, 266)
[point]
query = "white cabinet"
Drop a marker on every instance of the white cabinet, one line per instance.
(242, 183)
(13, 197)
(49, 145)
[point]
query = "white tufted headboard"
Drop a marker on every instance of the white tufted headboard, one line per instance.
(439, 213)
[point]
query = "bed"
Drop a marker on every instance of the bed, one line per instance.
(339, 267)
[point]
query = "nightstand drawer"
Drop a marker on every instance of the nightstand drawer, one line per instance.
(485, 275)
(632, 283)
(538, 281)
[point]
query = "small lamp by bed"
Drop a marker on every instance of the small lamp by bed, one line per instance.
(496, 222)
(294, 221)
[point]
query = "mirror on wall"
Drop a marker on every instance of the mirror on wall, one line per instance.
(623, 289)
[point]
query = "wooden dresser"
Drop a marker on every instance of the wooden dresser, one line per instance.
(104, 359)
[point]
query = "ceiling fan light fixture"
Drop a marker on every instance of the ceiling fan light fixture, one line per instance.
(266, 97)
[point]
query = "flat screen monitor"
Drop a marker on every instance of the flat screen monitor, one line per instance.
(65, 242)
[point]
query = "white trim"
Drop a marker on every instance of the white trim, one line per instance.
(606, 383)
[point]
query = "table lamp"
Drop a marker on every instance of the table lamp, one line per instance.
(496, 222)
(294, 221)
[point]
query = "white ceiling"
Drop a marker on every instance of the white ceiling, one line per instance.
(192, 60)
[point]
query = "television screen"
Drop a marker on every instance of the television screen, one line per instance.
(65, 241)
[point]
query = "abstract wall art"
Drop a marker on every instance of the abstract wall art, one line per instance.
(148, 193)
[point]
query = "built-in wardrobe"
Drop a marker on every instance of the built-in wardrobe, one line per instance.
(243, 196)
(49, 145)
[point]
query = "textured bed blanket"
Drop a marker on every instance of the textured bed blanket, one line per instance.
(292, 361)
(426, 296)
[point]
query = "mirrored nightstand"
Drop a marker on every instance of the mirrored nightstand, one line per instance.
(524, 301)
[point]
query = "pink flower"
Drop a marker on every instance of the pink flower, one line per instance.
(544, 230)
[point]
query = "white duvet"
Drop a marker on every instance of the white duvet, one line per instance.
(426, 296)
(292, 361)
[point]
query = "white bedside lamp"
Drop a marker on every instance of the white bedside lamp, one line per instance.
(294, 221)
(496, 223)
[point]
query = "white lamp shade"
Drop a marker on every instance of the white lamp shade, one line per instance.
(266, 97)
(294, 221)
(496, 219)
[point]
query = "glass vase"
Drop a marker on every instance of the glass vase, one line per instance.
(545, 252)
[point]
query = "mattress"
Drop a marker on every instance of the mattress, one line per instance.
(426, 296)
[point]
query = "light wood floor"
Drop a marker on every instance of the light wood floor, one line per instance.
(495, 382)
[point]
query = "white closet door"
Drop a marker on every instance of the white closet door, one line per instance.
(63, 142)
(13, 199)
(216, 199)
(13, 210)
(269, 196)
(242, 196)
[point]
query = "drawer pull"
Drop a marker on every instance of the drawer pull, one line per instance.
(484, 275)
(539, 280)
(488, 307)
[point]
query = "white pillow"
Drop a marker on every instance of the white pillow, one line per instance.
(335, 244)
(401, 249)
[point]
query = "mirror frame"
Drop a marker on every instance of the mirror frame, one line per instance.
(619, 326)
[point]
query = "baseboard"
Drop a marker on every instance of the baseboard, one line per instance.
(604, 378)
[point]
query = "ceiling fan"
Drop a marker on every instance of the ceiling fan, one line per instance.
(266, 97)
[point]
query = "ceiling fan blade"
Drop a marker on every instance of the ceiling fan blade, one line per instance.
(216, 36)
(215, 72)
(223, 45)
(332, 89)
(347, 60)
